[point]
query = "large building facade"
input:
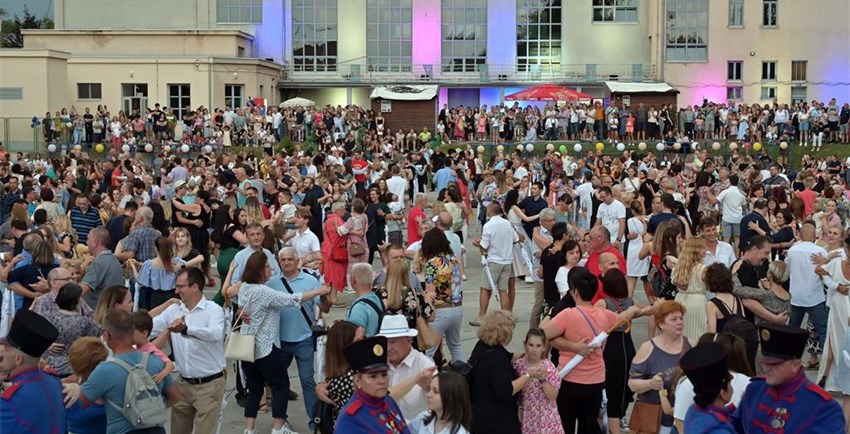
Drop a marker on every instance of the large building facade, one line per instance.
(134, 53)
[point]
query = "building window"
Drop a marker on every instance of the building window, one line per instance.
(314, 35)
(11, 93)
(768, 92)
(615, 11)
(389, 35)
(736, 13)
(768, 70)
(538, 34)
(687, 30)
(734, 70)
(233, 95)
(769, 13)
(91, 91)
(798, 94)
(179, 98)
(464, 35)
(239, 11)
(798, 70)
(735, 93)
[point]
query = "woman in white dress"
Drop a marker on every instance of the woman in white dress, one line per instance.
(514, 215)
(833, 366)
(688, 278)
(636, 268)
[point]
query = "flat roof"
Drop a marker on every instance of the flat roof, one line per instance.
(618, 87)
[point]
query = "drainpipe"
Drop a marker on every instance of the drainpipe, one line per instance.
(210, 81)
(662, 42)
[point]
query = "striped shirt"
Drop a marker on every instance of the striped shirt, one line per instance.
(84, 222)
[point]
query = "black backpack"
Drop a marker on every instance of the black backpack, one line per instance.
(382, 310)
(737, 324)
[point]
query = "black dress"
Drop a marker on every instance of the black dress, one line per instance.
(200, 236)
(618, 354)
(494, 406)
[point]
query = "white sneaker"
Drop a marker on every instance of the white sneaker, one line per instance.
(283, 430)
(249, 431)
(529, 279)
(464, 277)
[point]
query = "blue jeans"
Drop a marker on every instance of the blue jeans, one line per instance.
(817, 315)
(303, 353)
(447, 323)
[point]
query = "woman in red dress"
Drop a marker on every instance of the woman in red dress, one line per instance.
(335, 265)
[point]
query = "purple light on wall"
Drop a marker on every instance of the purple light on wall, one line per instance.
(426, 32)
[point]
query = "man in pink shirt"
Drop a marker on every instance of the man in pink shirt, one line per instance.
(600, 243)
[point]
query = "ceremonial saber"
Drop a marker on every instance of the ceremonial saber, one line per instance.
(489, 276)
(595, 343)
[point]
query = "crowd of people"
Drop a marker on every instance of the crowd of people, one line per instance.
(740, 264)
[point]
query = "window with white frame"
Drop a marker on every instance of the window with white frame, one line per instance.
(769, 13)
(89, 91)
(314, 35)
(734, 70)
(734, 93)
(798, 70)
(538, 36)
(736, 13)
(615, 11)
(389, 35)
(233, 95)
(768, 92)
(179, 97)
(464, 35)
(239, 11)
(768, 70)
(799, 94)
(687, 30)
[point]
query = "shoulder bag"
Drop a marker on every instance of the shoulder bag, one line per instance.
(240, 346)
(316, 329)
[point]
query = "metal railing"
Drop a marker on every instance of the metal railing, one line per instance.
(454, 74)
(17, 134)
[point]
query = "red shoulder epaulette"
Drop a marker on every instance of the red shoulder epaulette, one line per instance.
(819, 391)
(10, 391)
(50, 371)
(353, 408)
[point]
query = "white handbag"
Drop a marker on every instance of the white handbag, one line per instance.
(240, 346)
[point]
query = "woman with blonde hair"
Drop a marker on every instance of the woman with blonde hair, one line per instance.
(254, 211)
(183, 248)
(48, 237)
(66, 236)
(113, 297)
(400, 298)
(688, 278)
(22, 278)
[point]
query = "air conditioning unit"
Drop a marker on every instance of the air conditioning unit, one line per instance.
(425, 77)
(503, 77)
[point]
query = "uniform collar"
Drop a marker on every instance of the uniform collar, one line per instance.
(25, 374)
(791, 386)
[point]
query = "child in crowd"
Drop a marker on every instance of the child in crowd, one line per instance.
(143, 324)
(394, 226)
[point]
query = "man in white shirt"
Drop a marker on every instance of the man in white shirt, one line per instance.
(611, 214)
(497, 243)
(716, 251)
(807, 294)
(410, 370)
(305, 242)
(197, 336)
(397, 185)
(732, 202)
(584, 192)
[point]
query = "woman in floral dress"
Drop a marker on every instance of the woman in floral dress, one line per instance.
(538, 406)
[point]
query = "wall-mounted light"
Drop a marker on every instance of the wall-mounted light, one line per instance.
(752, 53)
(132, 74)
(235, 75)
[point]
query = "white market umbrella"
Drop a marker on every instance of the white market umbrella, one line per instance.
(297, 102)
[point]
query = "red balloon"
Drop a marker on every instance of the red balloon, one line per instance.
(747, 145)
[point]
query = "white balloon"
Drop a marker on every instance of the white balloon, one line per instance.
(529, 147)
(125, 148)
(642, 146)
(715, 146)
(69, 125)
(208, 149)
(148, 148)
(550, 147)
(733, 146)
(577, 147)
(184, 148)
(659, 146)
(51, 148)
(621, 146)
(677, 146)
(783, 145)
(166, 148)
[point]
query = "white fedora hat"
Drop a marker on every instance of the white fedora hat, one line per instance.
(395, 326)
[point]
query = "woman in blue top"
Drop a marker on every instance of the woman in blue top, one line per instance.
(159, 275)
(261, 317)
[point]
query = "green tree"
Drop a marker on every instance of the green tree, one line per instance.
(10, 29)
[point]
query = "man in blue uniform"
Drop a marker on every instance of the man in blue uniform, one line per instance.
(371, 408)
(783, 400)
(32, 401)
(705, 365)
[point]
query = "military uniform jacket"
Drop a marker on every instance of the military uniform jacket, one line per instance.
(367, 414)
(711, 420)
(32, 404)
(796, 407)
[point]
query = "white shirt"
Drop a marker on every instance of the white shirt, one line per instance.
(685, 394)
(584, 192)
(521, 172)
(498, 238)
(610, 216)
(725, 255)
(397, 186)
(806, 286)
(561, 280)
(732, 202)
(415, 401)
(417, 426)
(199, 353)
(305, 243)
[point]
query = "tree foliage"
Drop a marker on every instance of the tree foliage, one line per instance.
(10, 29)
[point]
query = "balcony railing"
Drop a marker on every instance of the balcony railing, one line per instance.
(365, 73)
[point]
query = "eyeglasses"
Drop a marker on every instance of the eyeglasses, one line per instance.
(183, 285)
